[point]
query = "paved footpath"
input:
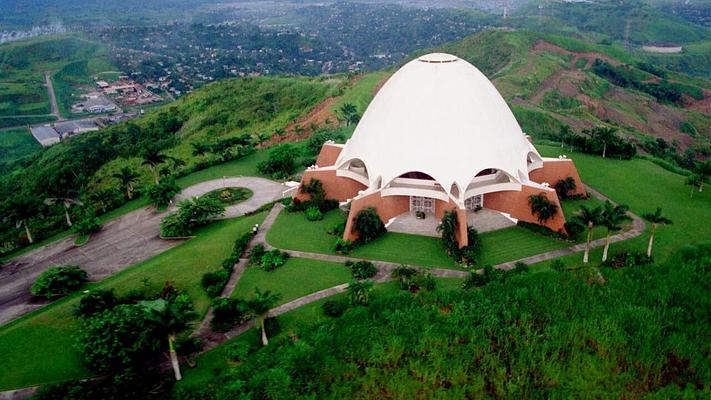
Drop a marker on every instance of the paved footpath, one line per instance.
(123, 242)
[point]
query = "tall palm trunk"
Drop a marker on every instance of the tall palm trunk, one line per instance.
(587, 243)
(607, 247)
(604, 149)
(129, 191)
(27, 231)
(651, 239)
(66, 215)
(174, 357)
(264, 332)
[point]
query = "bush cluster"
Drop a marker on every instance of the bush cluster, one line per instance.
(344, 246)
(414, 279)
(624, 258)
(214, 282)
(228, 313)
(468, 254)
(267, 260)
(362, 269)
(334, 308)
(313, 214)
(191, 214)
(368, 225)
(59, 281)
(491, 274)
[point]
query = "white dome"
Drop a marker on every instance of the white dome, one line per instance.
(441, 116)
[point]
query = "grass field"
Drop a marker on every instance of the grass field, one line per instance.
(292, 231)
(39, 347)
(644, 186)
(362, 91)
(16, 143)
(297, 278)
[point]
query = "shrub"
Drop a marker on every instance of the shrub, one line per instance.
(362, 269)
(227, 313)
(368, 225)
(625, 258)
(334, 308)
(313, 214)
(557, 265)
(542, 230)
(237, 351)
(274, 259)
(87, 225)
(521, 267)
(468, 254)
(214, 282)
(414, 279)
(337, 229)
(344, 246)
(59, 281)
(162, 193)
(359, 292)
(95, 302)
(255, 255)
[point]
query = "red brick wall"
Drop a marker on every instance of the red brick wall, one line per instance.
(515, 203)
(336, 187)
(555, 170)
(328, 155)
(387, 207)
(442, 206)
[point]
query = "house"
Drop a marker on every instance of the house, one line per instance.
(438, 136)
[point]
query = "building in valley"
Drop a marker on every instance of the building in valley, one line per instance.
(438, 136)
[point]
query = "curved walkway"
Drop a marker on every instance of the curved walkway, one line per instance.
(263, 191)
(123, 242)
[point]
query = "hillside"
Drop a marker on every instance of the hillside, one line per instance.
(550, 81)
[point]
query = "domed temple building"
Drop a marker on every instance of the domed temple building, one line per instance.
(438, 136)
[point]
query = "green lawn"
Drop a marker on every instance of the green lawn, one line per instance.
(16, 143)
(297, 278)
(643, 186)
(292, 231)
(39, 347)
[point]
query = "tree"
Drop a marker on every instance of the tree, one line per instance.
(604, 135)
(541, 207)
(564, 186)
(588, 217)
(349, 113)
(162, 193)
(655, 218)
(282, 161)
(152, 157)
(170, 318)
(259, 307)
(127, 179)
(612, 217)
(368, 225)
(21, 209)
(67, 202)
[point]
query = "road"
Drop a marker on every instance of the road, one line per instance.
(121, 243)
(52, 97)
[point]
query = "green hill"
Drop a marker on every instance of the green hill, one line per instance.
(550, 81)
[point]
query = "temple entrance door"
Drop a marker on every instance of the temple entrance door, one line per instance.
(474, 202)
(419, 203)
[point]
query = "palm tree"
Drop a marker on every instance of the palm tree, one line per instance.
(127, 178)
(67, 202)
(541, 207)
(588, 217)
(565, 186)
(612, 217)
(152, 157)
(655, 218)
(200, 149)
(169, 320)
(259, 306)
(21, 209)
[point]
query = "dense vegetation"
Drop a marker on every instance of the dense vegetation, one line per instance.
(523, 335)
